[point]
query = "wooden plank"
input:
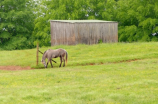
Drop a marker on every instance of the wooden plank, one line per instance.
(104, 32)
(90, 34)
(76, 33)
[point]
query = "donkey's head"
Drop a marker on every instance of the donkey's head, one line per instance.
(43, 59)
(44, 63)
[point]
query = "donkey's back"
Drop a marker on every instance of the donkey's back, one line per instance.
(56, 53)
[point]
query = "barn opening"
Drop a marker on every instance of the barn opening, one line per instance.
(72, 32)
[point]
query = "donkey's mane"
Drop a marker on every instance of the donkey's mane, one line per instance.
(44, 52)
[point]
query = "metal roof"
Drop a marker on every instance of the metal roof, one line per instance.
(82, 21)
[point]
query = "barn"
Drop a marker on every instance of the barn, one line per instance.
(72, 32)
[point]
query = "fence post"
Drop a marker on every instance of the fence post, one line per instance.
(37, 54)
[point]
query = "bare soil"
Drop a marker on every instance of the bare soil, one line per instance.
(29, 68)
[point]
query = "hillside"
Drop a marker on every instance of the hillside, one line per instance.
(123, 73)
(84, 54)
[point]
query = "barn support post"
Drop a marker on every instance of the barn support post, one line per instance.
(37, 54)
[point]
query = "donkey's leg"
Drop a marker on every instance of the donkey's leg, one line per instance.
(47, 63)
(51, 63)
(64, 61)
(60, 61)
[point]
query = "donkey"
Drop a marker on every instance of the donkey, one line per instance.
(49, 54)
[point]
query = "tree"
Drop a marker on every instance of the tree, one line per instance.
(137, 19)
(16, 24)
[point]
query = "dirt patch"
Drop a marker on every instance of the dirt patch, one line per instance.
(14, 68)
(92, 64)
(29, 68)
(123, 61)
(131, 60)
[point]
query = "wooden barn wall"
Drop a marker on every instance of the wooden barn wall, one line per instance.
(83, 33)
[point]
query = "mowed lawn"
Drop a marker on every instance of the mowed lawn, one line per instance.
(124, 73)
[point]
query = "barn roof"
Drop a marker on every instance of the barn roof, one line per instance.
(82, 21)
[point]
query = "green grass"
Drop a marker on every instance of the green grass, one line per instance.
(85, 54)
(112, 82)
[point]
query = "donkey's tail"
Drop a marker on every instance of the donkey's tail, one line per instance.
(66, 57)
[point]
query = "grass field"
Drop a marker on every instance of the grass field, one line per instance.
(118, 73)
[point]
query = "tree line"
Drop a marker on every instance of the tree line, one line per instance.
(25, 22)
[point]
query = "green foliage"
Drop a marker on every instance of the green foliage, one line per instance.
(100, 41)
(128, 33)
(137, 20)
(18, 43)
(16, 18)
